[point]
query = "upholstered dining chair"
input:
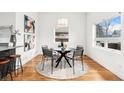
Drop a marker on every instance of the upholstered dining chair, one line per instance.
(79, 47)
(77, 55)
(44, 57)
(48, 53)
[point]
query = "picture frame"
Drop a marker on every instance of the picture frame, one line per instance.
(29, 24)
(29, 42)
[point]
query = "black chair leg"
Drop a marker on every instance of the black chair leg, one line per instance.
(10, 71)
(82, 65)
(44, 59)
(52, 66)
(43, 66)
(73, 66)
(14, 68)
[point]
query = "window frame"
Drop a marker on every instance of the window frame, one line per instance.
(107, 40)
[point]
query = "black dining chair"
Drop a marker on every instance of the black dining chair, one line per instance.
(44, 56)
(48, 53)
(79, 47)
(77, 55)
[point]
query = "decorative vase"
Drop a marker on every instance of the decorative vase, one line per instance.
(13, 40)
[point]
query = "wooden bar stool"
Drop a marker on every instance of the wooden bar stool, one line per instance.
(5, 69)
(18, 62)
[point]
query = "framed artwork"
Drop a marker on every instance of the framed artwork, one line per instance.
(61, 34)
(29, 24)
(29, 42)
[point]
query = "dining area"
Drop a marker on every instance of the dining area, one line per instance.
(62, 63)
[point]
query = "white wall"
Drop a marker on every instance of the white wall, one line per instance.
(7, 18)
(28, 55)
(48, 23)
(109, 59)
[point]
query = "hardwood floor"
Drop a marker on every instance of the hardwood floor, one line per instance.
(96, 72)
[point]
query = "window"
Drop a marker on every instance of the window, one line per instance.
(108, 33)
(109, 28)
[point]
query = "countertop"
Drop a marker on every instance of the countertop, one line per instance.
(4, 48)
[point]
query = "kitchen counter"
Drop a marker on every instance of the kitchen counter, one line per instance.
(4, 48)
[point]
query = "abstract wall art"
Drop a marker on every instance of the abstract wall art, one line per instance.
(29, 42)
(29, 33)
(29, 24)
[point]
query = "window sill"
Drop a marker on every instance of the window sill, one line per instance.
(109, 50)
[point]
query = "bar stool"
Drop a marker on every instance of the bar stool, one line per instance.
(18, 62)
(5, 69)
